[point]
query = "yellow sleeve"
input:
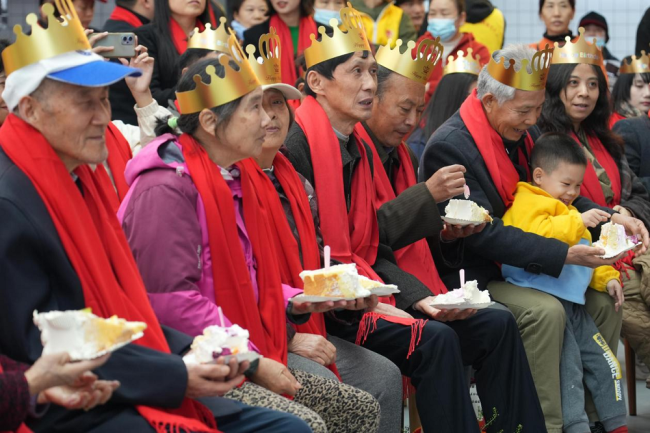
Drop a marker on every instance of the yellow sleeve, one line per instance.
(544, 216)
(603, 275)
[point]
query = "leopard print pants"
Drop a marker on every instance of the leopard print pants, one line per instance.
(326, 405)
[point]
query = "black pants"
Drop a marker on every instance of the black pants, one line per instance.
(488, 341)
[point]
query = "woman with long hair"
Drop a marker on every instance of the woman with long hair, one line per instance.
(213, 226)
(577, 103)
(557, 16)
(444, 19)
(166, 38)
(631, 95)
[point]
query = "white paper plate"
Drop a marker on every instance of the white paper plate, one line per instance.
(241, 357)
(462, 306)
(611, 255)
(386, 290)
(109, 350)
(462, 223)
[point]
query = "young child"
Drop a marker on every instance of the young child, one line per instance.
(544, 207)
(246, 14)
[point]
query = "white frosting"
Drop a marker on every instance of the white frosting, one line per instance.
(469, 294)
(215, 339)
(465, 210)
(614, 239)
(74, 332)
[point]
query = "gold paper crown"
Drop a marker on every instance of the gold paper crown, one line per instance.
(522, 79)
(579, 51)
(60, 37)
(208, 39)
(349, 37)
(427, 55)
(636, 65)
(269, 71)
(220, 91)
(465, 64)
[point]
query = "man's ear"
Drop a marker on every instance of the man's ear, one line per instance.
(489, 102)
(316, 82)
(208, 121)
(28, 110)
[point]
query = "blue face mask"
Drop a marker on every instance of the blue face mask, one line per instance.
(600, 41)
(443, 27)
(323, 16)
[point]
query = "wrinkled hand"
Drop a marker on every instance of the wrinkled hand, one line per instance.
(424, 306)
(93, 40)
(85, 396)
(209, 380)
(275, 377)
(585, 255)
(623, 211)
(634, 226)
(389, 310)
(593, 217)
(314, 347)
(453, 231)
(616, 292)
(368, 304)
(446, 183)
(56, 369)
(141, 60)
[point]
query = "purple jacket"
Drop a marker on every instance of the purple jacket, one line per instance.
(14, 394)
(165, 223)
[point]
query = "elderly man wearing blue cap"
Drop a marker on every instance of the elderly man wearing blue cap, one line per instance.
(62, 248)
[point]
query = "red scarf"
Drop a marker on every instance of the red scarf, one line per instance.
(123, 14)
(307, 27)
(265, 320)
(591, 187)
(615, 117)
(119, 153)
(490, 145)
(179, 38)
(98, 251)
(416, 258)
(287, 249)
(359, 243)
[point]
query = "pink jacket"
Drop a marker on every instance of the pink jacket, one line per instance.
(165, 223)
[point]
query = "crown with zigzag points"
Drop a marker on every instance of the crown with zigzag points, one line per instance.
(267, 67)
(220, 91)
(427, 54)
(61, 36)
(349, 37)
(463, 64)
(636, 65)
(504, 71)
(209, 39)
(579, 51)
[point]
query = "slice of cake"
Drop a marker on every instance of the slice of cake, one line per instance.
(84, 335)
(338, 281)
(372, 285)
(468, 294)
(614, 239)
(218, 341)
(467, 210)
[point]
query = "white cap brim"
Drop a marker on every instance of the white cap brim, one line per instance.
(288, 91)
(81, 68)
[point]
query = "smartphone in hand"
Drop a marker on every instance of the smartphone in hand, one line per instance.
(123, 45)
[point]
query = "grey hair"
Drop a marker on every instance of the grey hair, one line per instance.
(502, 92)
